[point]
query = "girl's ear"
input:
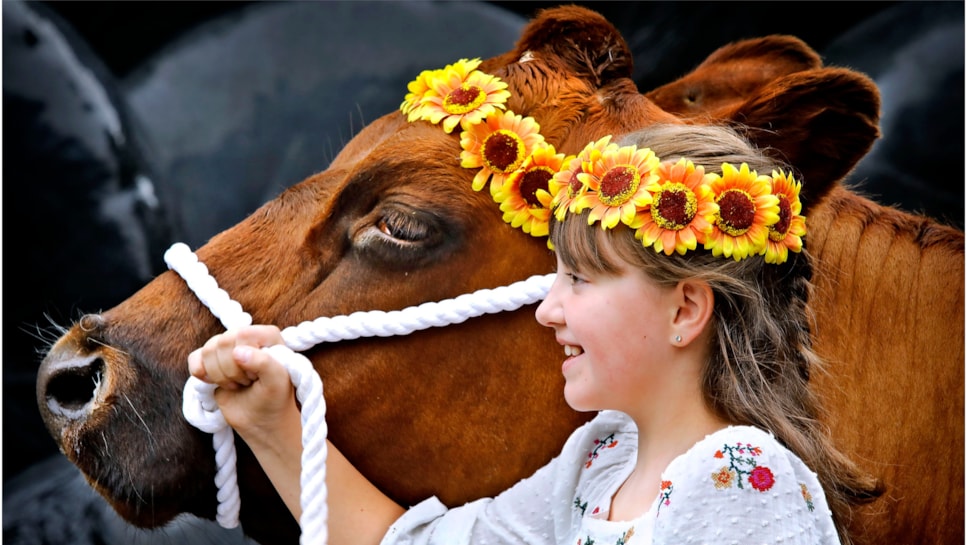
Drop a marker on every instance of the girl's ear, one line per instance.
(694, 309)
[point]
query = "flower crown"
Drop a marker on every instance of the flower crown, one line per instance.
(673, 206)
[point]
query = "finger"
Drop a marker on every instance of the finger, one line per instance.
(196, 366)
(218, 363)
(225, 359)
(260, 336)
(260, 365)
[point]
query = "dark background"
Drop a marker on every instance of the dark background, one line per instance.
(124, 34)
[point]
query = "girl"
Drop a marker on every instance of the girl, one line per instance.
(683, 321)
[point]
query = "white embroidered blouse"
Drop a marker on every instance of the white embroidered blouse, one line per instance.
(739, 485)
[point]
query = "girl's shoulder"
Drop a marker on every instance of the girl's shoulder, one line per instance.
(741, 458)
(609, 432)
(604, 424)
(741, 480)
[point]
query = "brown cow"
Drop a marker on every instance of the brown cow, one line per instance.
(466, 410)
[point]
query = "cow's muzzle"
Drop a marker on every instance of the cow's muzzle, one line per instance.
(72, 381)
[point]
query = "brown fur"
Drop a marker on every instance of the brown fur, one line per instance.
(467, 410)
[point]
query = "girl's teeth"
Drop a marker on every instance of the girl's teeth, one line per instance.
(572, 350)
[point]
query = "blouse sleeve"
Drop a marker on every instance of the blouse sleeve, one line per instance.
(740, 485)
(538, 509)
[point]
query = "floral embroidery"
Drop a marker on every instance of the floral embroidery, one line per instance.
(581, 506)
(665, 492)
(806, 496)
(760, 477)
(621, 541)
(607, 442)
(724, 478)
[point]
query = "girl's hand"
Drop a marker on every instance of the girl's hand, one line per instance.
(258, 400)
(255, 392)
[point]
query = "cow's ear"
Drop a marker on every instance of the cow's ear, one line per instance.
(581, 39)
(734, 72)
(822, 122)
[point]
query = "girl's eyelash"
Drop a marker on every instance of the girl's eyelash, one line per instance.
(575, 279)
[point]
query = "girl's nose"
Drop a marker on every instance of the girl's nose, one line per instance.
(549, 313)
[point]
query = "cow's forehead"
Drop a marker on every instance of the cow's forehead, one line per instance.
(573, 110)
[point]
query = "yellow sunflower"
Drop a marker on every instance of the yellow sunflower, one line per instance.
(418, 88)
(785, 235)
(617, 179)
(498, 146)
(458, 92)
(747, 207)
(567, 180)
(682, 212)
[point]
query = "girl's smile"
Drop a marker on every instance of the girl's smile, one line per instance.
(571, 352)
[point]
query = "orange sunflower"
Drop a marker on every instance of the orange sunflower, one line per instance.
(498, 146)
(458, 92)
(526, 195)
(567, 180)
(785, 235)
(682, 212)
(617, 179)
(747, 207)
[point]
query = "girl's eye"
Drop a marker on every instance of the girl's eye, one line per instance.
(574, 278)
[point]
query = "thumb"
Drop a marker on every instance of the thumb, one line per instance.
(243, 356)
(260, 365)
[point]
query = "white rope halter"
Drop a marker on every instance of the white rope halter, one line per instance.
(201, 411)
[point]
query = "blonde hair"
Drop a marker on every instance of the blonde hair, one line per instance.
(761, 355)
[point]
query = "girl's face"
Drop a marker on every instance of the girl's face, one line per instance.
(616, 331)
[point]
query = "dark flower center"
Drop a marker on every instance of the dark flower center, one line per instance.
(618, 185)
(503, 151)
(533, 180)
(778, 230)
(464, 99)
(674, 206)
(574, 185)
(736, 212)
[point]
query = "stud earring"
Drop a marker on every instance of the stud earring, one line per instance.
(678, 339)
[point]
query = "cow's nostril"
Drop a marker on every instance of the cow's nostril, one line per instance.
(72, 388)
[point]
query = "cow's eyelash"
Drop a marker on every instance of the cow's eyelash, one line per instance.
(402, 227)
(396, 229)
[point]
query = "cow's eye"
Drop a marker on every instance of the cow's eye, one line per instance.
(402, 227)
(397, 228)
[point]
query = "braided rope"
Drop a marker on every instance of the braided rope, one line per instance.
(201, 411)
